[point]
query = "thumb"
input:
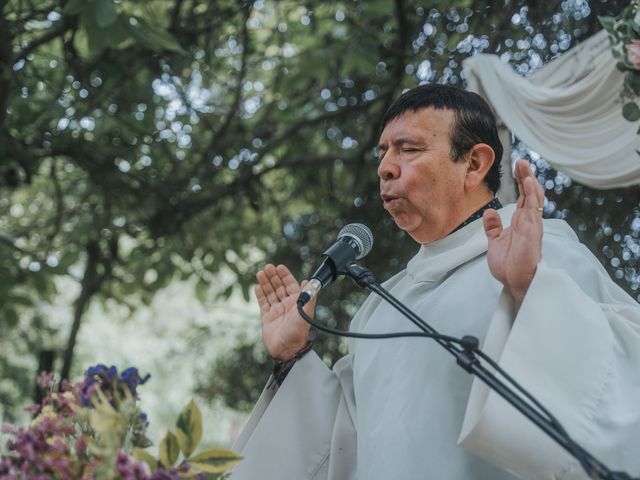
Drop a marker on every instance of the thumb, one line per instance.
(492, 224)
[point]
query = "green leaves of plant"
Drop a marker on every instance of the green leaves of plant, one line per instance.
(215, 460)
(189, 428)
(169, 450)
(106, 27)
(632, 82)
(74, 7)
(606, 22)
(145, 457)
(154, 37)
(106, 14)
(631, 111)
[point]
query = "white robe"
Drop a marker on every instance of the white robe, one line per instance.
(401, 408)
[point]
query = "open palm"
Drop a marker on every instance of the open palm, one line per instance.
(514, 252)
(283, 330)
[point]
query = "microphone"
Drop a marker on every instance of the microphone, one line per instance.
(354, 242)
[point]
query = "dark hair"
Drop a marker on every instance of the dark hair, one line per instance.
(474, 122)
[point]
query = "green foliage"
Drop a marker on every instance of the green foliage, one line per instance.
(624, 34)
(143, 142)
(631, 112)
(169, 450)
(214, 462)
(189, 428)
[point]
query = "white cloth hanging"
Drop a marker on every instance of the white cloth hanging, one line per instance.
(569, 112)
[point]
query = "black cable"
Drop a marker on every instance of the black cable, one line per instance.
(447, 338)
(579, 453)
(372, 336)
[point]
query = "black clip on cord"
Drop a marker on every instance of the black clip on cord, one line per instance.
(465, 350)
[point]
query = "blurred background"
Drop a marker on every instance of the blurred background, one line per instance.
(155, 154)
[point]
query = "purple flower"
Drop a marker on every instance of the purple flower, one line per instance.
(107, 379)
(130, 469)
(131, 378)
(41, 451)
(46, 380)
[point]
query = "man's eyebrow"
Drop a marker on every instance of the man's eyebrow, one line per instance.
(399, 142)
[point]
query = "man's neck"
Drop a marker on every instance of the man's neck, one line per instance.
(493, 203)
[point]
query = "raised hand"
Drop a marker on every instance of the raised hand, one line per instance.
(283, 330)
(515, 252)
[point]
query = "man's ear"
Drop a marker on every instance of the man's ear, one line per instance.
(479, 160)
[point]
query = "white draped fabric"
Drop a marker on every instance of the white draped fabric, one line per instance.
(569, 112)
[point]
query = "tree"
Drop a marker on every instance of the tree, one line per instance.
(148, 141)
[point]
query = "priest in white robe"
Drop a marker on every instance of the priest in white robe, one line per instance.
(541, 303)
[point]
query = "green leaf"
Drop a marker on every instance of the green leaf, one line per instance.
(169, 450)
(227, 292)
(246, 294)
(189, 428)
(99, 39)
(202, 290)
(215, 460)
(632, 81)
(153, 37)
(145, 457)
(607, 22)
(631, 112)
(74, 7)
(106, 13)
(18, 299)
(11, 318)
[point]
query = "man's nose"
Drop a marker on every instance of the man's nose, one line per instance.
(388, 169)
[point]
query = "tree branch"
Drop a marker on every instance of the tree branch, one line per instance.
(58, 31)
(91, 283)
(237, 96)
(175, 15)
(8, 241)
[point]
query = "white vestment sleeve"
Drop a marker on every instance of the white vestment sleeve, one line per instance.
(290, 434)
(581, 359)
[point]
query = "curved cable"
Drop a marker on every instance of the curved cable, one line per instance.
(576, 449)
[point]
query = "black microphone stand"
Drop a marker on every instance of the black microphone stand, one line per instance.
(466, 358)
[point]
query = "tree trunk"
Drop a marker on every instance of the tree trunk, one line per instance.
(91, 283)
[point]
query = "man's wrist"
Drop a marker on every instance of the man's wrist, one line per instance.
(281, 368)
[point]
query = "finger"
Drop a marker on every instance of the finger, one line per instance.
(267, 286)
(492, 224)
(523, 169)
(526, 172)
(519, 173)
(531, 194)
(539, 192)
(288, 280)
(263, 303)
(278, 286)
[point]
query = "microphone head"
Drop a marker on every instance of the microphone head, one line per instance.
(361, 237)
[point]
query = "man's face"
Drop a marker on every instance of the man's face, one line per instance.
(421, 187)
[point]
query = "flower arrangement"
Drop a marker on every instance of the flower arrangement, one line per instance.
(624, 33)
(95, 429)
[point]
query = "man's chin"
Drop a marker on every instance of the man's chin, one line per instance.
(404, 225)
